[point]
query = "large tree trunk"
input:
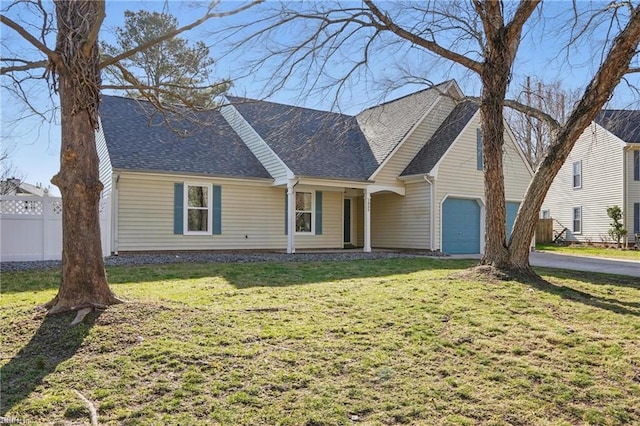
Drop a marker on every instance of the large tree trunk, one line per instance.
(84, 280)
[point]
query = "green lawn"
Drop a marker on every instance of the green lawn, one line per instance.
(591, 251)
(332, 343)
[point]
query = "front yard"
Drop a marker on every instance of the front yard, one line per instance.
(327, 343)
(590, 251)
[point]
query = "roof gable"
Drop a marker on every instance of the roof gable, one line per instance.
(625, 124)
(442, 139)
(386, 126)
(310, 142)
(138, 139)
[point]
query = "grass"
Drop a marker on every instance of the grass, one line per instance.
(590, 251)
(328, 343)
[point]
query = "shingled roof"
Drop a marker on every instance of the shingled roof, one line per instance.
(386, 125)
(442, 139)
(625, 124)
(310, 142)
(137, 139)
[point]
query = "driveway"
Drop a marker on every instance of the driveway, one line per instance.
(575, 263)
(588, 264)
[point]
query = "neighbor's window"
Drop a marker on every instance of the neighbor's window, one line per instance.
(304, 211)
(577, 220)
(546, 214)
(577, 174)
(197, 205)
(636, 165)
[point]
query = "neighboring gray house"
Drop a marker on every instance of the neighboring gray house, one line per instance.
(14, 186)
(262, 175)
(602, 170)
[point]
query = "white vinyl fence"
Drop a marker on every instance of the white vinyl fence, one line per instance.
(31, 227)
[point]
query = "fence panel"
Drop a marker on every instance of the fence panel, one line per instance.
(31, 228)
(544, 231)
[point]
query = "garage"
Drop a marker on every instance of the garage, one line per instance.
(512, 211)
(460, 226)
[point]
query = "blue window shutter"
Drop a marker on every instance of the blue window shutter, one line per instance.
(636, 218)
(178, 208)
(217, 210)
(636, 165)
(286, 213)
(479, 149)
(318, 213)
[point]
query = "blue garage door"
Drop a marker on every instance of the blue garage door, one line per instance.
(512, 211)
(460, 226)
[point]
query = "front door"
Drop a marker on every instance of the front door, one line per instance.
(347, 222)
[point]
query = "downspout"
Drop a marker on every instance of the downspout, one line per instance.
(432, 211)
(114, 232)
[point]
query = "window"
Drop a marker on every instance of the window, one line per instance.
(546, 214)
(304, 212)
(636, 218)
(636, 165)
(479, 164)
(198, 212)
(577, 220)
(577, 174)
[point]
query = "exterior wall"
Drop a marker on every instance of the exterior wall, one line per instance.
(458, 175)
(401, 221)
(400, 160)
(633, 192)
(253, 216)
(602, 170)
(274, 165)
(104, 164)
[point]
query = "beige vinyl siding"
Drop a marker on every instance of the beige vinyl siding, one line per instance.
(253, 216)
(401, 221)
(104, 165)
(271, 162)
(602, 162)
(459, 177)
(387, 176)
(633, 194)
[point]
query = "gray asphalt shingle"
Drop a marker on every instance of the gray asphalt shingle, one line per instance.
(625, 124)
(442, 139)
(137, 139)
(310, 142)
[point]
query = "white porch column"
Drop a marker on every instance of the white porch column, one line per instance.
(291, 217)
(367, 221)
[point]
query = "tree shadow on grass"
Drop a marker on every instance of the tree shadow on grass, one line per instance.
(53, 343)
(601, 302)
(250, 274)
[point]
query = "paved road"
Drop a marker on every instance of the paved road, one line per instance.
(589, 264)
(576, 263)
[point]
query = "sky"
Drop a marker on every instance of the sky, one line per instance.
(34, 143)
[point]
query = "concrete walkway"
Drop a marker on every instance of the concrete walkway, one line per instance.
(576, 263)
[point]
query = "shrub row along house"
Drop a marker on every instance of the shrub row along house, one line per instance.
(602, 170)
(261, 175)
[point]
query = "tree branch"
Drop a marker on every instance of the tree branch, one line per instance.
(53, 56)
(95, 30)
(429, 45)
(178, 31)
(533, 112)
(27, 66)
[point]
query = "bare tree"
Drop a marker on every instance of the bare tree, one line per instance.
(73, 69)
(532, 134)
(482, 37)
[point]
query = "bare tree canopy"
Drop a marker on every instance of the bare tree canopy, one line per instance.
(340, 44)
(71, 64)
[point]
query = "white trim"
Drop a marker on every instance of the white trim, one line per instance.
(181, 176)
(418, 122)
(312, 211)
(185, 207)
(367, 221)
(372, 189)
(432, 211)
(291, 216)
(231, 114)
(573, 175)
(573, 221)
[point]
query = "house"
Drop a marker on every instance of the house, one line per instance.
(262, 175)
(14, 186)
(602, 170)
